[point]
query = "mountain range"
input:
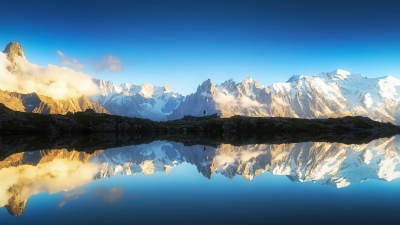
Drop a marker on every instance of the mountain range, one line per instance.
(334, 94)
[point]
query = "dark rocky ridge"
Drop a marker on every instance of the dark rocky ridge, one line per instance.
(210, 129)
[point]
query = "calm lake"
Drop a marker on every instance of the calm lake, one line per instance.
(169, 183)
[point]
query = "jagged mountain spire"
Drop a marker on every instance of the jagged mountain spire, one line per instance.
(207, 87)
(14, 50)
(167, 88)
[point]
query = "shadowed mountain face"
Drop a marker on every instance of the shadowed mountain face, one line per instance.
(27, 173)
(42, 104)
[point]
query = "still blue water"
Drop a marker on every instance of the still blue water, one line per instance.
(186, 196)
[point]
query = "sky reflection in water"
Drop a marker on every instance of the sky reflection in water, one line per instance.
(96, 189)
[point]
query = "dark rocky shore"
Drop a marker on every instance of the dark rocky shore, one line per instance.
(89, 131)
(212, 128)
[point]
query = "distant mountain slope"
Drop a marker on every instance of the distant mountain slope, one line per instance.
(334, 94)
(248, 98)
(42, 104)
(143, 101)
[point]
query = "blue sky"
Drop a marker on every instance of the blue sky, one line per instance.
(183, 43)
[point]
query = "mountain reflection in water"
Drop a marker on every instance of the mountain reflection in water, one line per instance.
(25, 174)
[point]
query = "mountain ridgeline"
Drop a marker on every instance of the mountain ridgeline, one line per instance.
(335, 94)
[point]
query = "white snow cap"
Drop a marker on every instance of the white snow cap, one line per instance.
(340, 72)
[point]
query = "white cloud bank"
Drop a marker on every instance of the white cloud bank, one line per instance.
(52, 81)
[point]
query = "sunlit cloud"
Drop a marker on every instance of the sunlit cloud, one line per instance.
(71, 196)
(248, 102)
(70, 62)
(60, 53)
(52, 81)
(223, 98)
(109, 62)
(112, 195)
(229, 99)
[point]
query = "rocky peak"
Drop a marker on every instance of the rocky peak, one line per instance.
(248, 80)
(15, 206)
(207, 87)
(167, 88)
(229, 85)
(13, 50)
(294, 78)
(147, 90)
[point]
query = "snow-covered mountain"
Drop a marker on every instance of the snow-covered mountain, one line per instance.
(334, 94)
(143, 101)
(247, 98)
(31, 88)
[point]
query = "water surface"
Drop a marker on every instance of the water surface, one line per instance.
(169, 183)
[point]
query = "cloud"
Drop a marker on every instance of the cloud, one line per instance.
(60, 53)
(70, 62)
(71, 196)
(109, 196)
(52, 81)
(243, 101)
(109, 62)
(223, 98)
(248, 102)
(55, 176)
